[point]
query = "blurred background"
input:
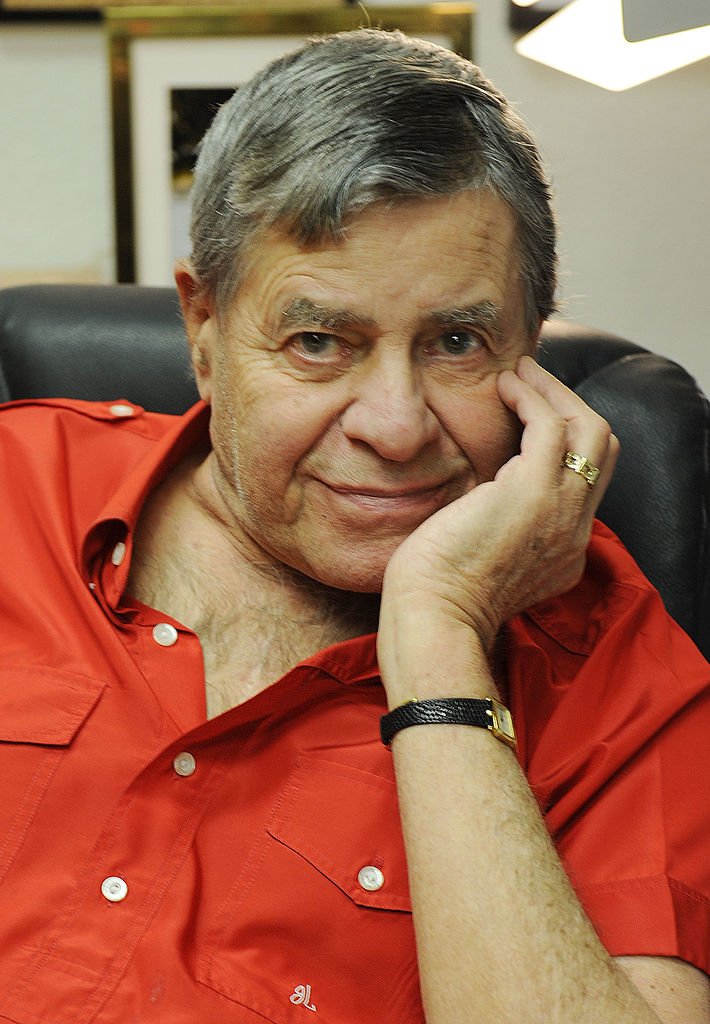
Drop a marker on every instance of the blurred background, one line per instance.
(631, 172)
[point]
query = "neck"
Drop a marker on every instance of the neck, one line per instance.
(255, 617)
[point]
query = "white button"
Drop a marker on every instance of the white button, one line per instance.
(184, 764)
(121, 410)
(114, 889)
(165, 634)
(119, 553)
(371, 878)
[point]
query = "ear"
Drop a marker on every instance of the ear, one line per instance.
(200, 325)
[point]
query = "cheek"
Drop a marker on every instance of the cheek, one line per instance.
(485, 429)
(268, 437)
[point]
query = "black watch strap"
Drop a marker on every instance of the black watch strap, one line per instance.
(487, 713)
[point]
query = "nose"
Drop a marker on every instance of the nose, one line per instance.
(389, 411)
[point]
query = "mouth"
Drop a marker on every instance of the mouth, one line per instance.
(387, 492)
(407, 504)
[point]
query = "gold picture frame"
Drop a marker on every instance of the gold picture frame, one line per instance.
(87, 10)
(155, 52)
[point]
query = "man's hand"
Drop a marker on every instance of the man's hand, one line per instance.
(520, 538)
(501, 936)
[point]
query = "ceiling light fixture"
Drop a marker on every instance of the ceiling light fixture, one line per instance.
(585, 38)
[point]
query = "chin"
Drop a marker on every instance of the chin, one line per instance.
(355, 578)
(352, 582)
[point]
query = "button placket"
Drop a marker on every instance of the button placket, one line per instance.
(152, 851)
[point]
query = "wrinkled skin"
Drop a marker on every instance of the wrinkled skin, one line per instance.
(357, 388)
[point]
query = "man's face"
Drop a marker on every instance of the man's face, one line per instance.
(353, 385)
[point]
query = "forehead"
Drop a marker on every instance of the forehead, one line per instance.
(415, 255)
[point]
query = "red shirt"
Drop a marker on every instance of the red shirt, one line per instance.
(155, 866)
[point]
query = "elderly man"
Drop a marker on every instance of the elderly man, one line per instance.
(200, 820)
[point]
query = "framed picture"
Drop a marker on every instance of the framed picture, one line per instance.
(172, 67)
(91, 10)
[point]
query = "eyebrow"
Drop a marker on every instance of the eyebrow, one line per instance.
(480, 314)
(304, 311)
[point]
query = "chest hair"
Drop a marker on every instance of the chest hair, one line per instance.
(254, 629)
(255, 618)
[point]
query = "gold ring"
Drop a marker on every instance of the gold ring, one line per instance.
(579, 464)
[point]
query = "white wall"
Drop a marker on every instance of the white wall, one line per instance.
(56, 196)
(632, 177)
(631, 172)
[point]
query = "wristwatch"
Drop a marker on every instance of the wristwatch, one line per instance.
(487, 713)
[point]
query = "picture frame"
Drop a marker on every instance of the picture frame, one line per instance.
(92, 10)
(158, 53)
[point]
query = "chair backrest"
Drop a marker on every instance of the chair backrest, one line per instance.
(95, 342)
(126, 341)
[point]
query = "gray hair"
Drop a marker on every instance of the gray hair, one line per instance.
(351, 119)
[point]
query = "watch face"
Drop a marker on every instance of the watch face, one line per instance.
(502, 726)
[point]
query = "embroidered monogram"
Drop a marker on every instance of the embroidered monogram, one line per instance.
(302, 997)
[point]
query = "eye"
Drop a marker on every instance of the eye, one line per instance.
(316, 345)
(456, 343)
(319, 349)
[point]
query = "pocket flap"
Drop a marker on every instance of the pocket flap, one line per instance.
(44, 705)
(343, 820)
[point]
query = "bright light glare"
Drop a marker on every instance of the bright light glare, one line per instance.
(586, 39)
(524, 3)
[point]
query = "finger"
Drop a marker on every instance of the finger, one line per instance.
(588, 434)
(592, 493)
(606, 467)
(556, 421)
(574, 410)
(545, 428)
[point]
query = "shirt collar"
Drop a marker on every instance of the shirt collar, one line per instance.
(107, 547)
(117, 520)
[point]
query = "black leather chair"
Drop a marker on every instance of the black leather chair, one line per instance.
(126, 341)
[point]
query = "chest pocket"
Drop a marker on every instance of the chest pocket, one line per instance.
(41, 711)
(319, 919)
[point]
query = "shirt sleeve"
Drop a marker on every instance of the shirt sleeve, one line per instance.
(612, 702)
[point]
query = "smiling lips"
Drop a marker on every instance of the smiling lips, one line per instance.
(414, 501)
(375, 492)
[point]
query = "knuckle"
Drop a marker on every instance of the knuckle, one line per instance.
(557, 424)
(601, 425)
(604, 428)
